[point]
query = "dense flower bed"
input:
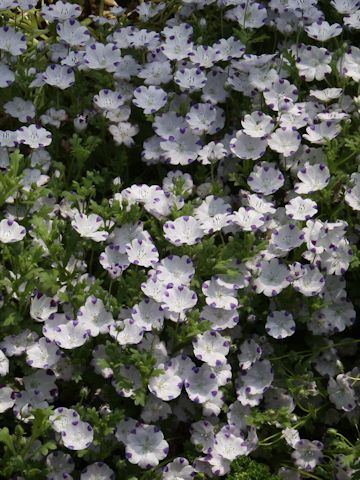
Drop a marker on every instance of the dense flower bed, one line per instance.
(179, 277)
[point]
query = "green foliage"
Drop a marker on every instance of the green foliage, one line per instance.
(10, 183)
(143, 360)
(23, 454)
(244, 468)
(183, 333)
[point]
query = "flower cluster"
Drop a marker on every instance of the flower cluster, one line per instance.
(179, 228)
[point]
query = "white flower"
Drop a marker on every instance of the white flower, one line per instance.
(341, 393)
(178, 469)
(201, 117)
(88, 226)
(97, 471)
(313, 62)
(211, 348)
(108, 100)
(280, 324)
(252, 383)
(43, 354)
(174, 270)
(253, 15)
(266, 178)
(258, 202)
(123, 132)
(307, 454)
(201, 384)
(4, 364)
(62, 418)
(348, 64)
(146, 446)
(220, 318)
(211, 152)
(352, 194)
(312, 178)
(155, 410)
(184, 230)
(285, 140)
(34, 136)
(228, 48)
(178, 299)
(323, 31)
(281, 90)
(229, 443)
(345, 7)
(150, 99)
(11, 231)
(190, 79)
(219, 296)
(60, 76)
(307, 279)
(167, 385)
(287, 237)
(59, 464)
(15, 345)
(23, 110)
(204, 56)
(182, 148)
(94, 316)
(257, 124)
(113, 261)
(122, 236)
(322, 132)
(247, 147)
(42, 307)
(12, 41)
(7, 398)
(70, 335)
(78, 435)
(248, 219)
(142, 252)
(273, 278)
(332, 319)
(300, 208)
(148, 314)
(60, 11)
(250, 353)
(124, 427)
(156, 73)
(126, 332)
(7, 77)
(291, 436)
(73, 33)
(167, 124)
(327, 94)
(202, 434)
(223, 374)
(213, 214)
(102, 57)
(176, 47)
(8, 138)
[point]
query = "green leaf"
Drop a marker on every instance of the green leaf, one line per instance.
(7, 439)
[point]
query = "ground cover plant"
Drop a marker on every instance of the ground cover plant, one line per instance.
(179, 240)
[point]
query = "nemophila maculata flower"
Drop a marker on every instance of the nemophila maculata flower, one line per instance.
(88, 226)
(146, 446)
(179, 196)
(97, 470)
(280, 324)
(34, 136)
(59, 76)
(59, 463)
(11, 231)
